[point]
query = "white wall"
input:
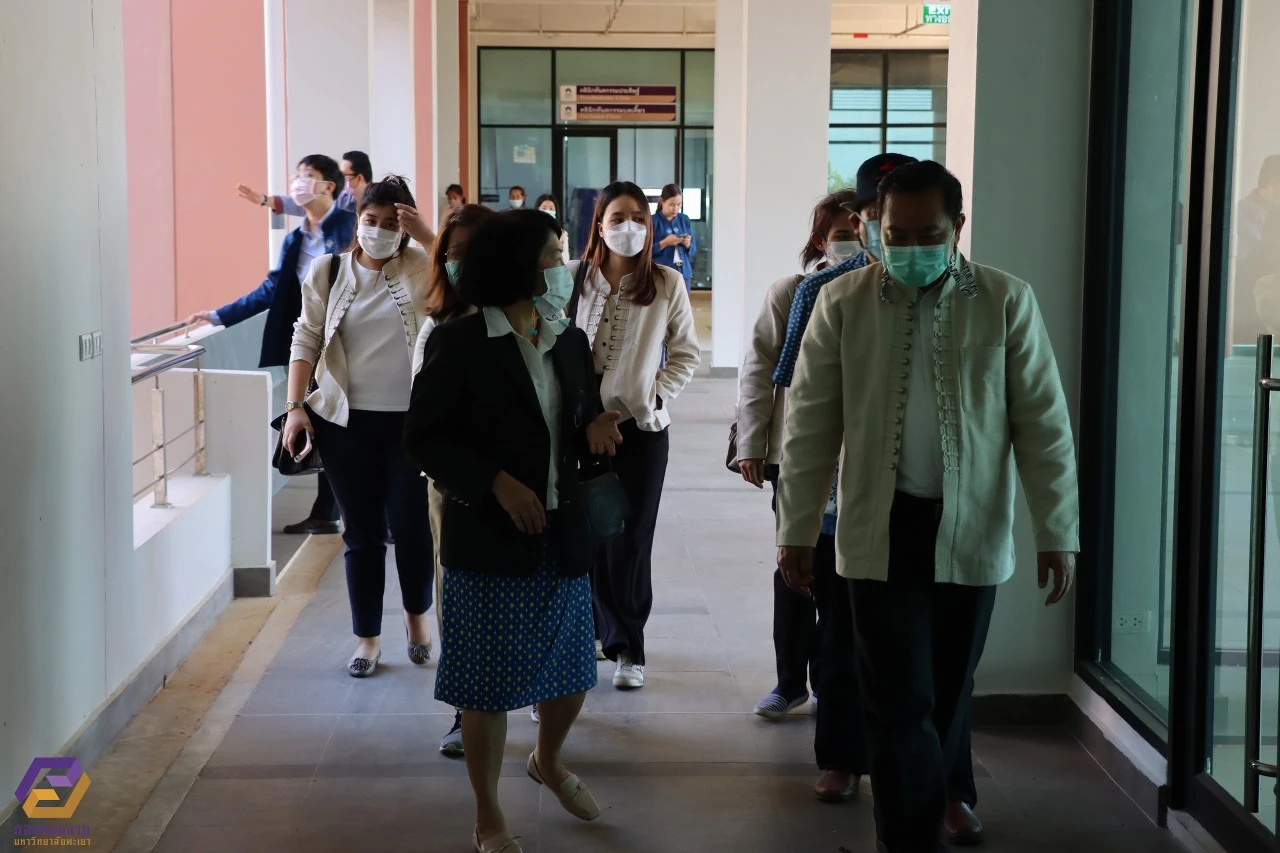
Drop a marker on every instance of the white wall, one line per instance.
(391, 107)
(64, 431)
(327, 69)
(1016, 139)
(770, 153)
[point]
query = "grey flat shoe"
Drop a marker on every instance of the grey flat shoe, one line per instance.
(363, 667)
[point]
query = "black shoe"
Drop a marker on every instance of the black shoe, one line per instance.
(312, 527)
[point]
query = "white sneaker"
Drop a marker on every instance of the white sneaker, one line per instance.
(600, 651)
(628, 675)
(533, 714)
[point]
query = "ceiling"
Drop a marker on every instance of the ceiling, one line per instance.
(630, 18)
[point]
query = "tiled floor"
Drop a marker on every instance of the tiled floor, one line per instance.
(317, 761)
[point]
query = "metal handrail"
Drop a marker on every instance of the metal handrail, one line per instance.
(177, 358)
(155, 336)
(170, 357)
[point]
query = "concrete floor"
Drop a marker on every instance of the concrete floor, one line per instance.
(316, 761)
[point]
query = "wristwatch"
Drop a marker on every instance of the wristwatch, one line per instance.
(264, 201)
(291, 405)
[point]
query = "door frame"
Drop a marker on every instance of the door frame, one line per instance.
(560, 133)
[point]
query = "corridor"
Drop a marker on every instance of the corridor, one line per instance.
(315, 761)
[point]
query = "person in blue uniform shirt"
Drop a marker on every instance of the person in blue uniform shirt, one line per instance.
(673, 243)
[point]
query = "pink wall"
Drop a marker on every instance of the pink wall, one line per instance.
(149, 150)
(423, 104)
(220, 140)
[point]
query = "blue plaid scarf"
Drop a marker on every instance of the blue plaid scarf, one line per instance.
(801, 307)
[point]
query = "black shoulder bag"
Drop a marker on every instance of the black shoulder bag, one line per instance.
(282, 460)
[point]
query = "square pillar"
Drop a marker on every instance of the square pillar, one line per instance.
(772, 88)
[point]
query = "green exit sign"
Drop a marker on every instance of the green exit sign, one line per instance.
(937, 13)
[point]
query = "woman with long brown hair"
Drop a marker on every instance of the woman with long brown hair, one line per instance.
(444, 302)
(628, 304)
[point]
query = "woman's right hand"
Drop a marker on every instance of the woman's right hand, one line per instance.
(521, 504)
(669, 241)
(295, 425)
(752, 471)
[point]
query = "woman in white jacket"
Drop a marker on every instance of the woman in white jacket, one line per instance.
(358, 337)
(638, 319)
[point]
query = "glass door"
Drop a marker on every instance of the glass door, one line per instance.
(587, 162)
(1245, 616)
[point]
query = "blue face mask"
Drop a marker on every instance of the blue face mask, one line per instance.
(873, 246)
(559, 291)
(452, 269)
(917, 266)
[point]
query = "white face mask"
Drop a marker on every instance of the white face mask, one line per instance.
(516, 202)
(378, 243)
(626, 239)
(303, 190)
(841, 250)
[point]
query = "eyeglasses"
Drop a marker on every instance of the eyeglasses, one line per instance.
(349, 177)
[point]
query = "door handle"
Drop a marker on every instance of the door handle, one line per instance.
(1264, 386)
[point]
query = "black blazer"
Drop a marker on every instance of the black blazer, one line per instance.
(473, 414)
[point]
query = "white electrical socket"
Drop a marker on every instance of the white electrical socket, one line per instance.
(86, 347)
(1131, 623)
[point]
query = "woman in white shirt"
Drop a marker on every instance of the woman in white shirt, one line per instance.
(358, 338)
(637, 316)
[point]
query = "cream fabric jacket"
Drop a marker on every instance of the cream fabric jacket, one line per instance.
(322, 313)
(1000, 404)
(632, 382)
(761, 404)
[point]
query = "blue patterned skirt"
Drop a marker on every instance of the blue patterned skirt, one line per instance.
(512, 642)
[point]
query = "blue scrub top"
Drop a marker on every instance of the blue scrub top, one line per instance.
(681, 225)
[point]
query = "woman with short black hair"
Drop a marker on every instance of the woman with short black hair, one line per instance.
(547, 204)
(355, 336)
(505, 409)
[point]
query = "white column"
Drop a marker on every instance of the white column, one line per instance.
(1017, 133)
(391, 114)
(448, 125)
(770, 153)
(278, 166)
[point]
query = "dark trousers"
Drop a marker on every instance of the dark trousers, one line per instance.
(918, 644)
(325, 507)
(374, 481)
(622, 574)
(797, 634)
(840, 740)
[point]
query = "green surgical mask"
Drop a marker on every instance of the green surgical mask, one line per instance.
(917, 266)
(452, 268)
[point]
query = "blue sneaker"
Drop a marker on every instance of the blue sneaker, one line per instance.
(775, 706)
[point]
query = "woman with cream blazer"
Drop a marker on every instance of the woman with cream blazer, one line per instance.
(358, 337)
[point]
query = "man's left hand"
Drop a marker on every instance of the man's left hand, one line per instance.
(1062, 564)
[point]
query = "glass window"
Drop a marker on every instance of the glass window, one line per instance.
(699, 87)
(917, 91)
(515, 86)
(923, 143)
(894, 101)
(1155, 185)
(857, 88)
(847, 148)
(614, 67)
(699, 179)
(511, 157)
(1253, 308)
(647, 156)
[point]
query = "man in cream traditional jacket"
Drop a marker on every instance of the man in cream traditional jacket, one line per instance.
(938, 377)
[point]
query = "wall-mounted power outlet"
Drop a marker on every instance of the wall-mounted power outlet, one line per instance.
(86, 347)
(1131, 623)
